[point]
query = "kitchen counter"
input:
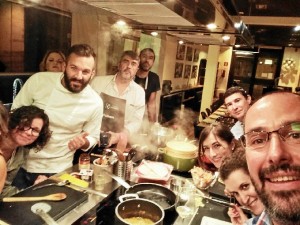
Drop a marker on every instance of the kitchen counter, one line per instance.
(89, 210)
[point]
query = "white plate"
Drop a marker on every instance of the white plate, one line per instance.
(212, 221)
(154, 171)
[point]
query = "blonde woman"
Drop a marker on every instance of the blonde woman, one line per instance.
(53, 61)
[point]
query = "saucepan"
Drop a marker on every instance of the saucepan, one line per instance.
(157, 193)
(138, 211)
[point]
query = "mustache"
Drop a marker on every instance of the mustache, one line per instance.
(276, 168)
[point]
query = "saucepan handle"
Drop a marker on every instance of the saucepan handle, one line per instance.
(124, 197)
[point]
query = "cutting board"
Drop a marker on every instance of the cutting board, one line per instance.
(19, 213)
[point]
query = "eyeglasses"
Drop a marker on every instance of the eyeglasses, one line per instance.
(34, 132)
(255, 140)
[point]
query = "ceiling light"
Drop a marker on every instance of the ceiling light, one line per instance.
(154, 33)
(237, 46)
(297, 28)
(180, 42)
(226, 37)
(121, 23)
(211, 26)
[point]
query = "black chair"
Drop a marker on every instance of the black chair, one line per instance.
(204, 115)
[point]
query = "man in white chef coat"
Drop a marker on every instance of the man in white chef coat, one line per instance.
(75, 111)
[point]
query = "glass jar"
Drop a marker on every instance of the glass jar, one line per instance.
(84, 161)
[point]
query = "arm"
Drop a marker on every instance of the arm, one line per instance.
(151, 107)
(3, 173)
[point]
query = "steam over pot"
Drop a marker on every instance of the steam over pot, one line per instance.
(160, 135)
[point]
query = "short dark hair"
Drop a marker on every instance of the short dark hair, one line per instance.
(131, 54)
(81, 50)
(23, 116)
(233, 90)
(149, 50)
(233, 162)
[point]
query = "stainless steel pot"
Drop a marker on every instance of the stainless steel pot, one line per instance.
(139, 207)
(157, 193)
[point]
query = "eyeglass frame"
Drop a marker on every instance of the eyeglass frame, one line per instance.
(243, 137)
(34, 131)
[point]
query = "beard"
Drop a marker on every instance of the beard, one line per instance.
(282, 206)
(75, 89)
(145, 67)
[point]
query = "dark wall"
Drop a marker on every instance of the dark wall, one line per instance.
(49, 31)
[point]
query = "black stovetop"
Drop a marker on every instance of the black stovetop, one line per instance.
(106, 210)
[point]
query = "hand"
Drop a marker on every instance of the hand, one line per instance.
(39, 179)
(237, 215)
(78, 142)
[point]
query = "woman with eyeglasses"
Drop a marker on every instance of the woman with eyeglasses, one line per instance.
(235, 175)
(28, 126)
(215, 143)
(3, 132)
(53, 61)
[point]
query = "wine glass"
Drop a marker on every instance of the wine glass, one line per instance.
(186, 202)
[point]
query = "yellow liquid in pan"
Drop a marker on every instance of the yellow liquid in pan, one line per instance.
(139, 221)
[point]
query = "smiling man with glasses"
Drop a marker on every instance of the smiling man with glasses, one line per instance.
(272, 144)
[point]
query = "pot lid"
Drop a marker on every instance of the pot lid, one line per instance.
(181, 146)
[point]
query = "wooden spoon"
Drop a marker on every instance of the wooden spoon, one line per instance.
(52, 197)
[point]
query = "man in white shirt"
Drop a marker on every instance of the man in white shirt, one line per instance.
(74, 109)
(117, 88)
(237, 102)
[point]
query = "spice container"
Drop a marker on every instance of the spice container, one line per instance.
(84, 161)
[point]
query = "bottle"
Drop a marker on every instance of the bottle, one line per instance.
(84, 161)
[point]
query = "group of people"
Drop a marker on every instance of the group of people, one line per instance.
(258, 159)
(63, 108)
(56, 113)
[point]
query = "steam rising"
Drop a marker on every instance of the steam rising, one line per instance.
(180, 128)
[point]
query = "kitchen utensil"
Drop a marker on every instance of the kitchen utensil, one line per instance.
(52, 197)
(60, 184)
(155, 192)
(42, 210)
(138, 207)
(118, 179)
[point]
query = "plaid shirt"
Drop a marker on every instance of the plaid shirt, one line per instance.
(263, 219)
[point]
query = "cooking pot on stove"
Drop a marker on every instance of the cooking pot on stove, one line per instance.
(182, 155)
(137, 207)
(157, 193)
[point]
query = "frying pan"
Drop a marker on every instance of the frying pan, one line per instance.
(156, 193)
